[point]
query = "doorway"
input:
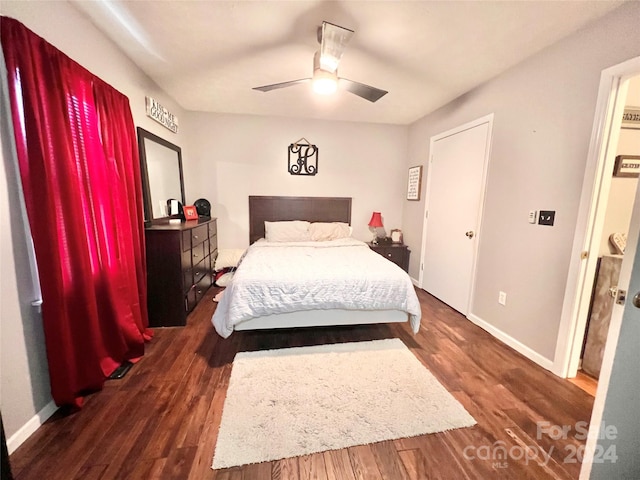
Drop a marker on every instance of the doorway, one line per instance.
(599, 186)
(618, 208)
(455, 189)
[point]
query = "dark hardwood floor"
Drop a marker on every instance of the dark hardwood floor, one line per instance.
(161, 420)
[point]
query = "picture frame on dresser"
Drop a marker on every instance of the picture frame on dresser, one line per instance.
(190, 212)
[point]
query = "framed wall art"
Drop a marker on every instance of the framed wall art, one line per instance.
(414, 184)
(631, 117)
(627, 166)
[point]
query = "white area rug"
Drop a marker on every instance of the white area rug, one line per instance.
(295, 401)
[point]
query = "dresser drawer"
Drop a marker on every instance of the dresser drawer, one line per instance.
(187, 279)
(186, 240)
(393, 254)
(199, 235)
(190, 299)
(198, 253)
(200, 270)
(202, 286)
(398, 254)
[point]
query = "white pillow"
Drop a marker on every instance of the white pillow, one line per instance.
(228, 257)
(320, 231)
(291, 231)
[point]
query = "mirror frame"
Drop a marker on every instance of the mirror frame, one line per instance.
(144, 173)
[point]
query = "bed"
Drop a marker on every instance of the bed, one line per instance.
(332, 279)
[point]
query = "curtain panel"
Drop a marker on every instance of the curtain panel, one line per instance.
(78, 161)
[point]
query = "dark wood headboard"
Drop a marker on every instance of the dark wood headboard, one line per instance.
(312, 209)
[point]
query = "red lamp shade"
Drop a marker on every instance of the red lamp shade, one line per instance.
(376, 220)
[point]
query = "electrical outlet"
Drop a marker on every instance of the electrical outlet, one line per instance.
(502, 298)
(546, 217)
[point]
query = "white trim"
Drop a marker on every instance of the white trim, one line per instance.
(512, 342)
(488, 119)
(18, 438)
(605, 132)
(415, 282)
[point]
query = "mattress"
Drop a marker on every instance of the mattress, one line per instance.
(337, 276)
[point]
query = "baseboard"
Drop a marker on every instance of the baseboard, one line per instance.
(513, 343)
(415, 282)
(18, 438)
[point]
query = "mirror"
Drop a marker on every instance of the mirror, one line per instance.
(161, 171)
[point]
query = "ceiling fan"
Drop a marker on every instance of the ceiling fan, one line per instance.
(333, 40)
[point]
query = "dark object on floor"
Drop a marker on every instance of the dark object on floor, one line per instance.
(121, 371)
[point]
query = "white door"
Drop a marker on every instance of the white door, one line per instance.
(455, 193)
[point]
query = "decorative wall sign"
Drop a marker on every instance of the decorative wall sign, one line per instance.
(631, 117)
(305, 158)
(627, 166)
(414, 185)
(161, 115)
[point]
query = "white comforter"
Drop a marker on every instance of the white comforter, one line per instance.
(288, 277)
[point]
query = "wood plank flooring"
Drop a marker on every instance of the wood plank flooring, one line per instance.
(585, 382)
(161, 420)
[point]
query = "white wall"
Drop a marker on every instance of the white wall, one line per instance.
(24, 382)
(544, 110)
(234, 156)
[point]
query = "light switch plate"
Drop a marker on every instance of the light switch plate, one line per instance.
(546, 217)
(533, 215)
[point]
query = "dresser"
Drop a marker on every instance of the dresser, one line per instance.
(180, 261)
(398, 253)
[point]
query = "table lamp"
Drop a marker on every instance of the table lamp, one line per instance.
(374, 224)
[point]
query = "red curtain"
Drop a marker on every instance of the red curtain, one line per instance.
(78, 161)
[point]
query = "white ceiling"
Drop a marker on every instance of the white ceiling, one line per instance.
(209, 54)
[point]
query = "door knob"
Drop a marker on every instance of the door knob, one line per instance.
(469, 234)
(636, 300)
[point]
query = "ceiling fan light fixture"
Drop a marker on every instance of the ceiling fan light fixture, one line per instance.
(324, 83)
(334, 40)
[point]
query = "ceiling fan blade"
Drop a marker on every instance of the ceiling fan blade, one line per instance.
(334, 40)
(367, 92)
(267, 88)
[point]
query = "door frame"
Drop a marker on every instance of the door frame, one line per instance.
(593, 202)
(488, 119)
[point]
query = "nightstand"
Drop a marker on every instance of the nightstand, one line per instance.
(398, 253)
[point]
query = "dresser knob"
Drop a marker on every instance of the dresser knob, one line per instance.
(195, 236)
(195, 255)
(389, 255)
